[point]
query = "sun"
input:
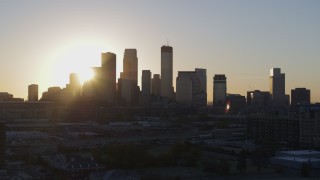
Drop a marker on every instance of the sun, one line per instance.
(85, 75)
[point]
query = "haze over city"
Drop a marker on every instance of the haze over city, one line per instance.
(43, 42)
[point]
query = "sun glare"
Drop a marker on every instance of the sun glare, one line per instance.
(85, 75)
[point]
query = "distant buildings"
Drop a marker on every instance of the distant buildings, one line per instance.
(155, 85)
(258, 98)
(202, 75)
(300, 96)
(146, 83)
(189, 89)
(166, 72)
(33, 92)
(104, 83)
(2, 144)
(74, 85)
(277, 87)
(236, 103)
(130, 65)
(187, 82)
(309, 119)
(219, 90)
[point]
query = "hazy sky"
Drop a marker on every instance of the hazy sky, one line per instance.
(43, 41)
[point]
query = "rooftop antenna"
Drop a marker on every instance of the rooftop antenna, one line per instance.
(167, 42)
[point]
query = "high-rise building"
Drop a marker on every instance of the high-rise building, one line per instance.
(277, 87)
(33, 92)
(130, 65)
(128, 91)
(2, 144)
(189, 90)
(235, 103)
(202, 74)
(185, 87)
(300, 96)
(166, 72)
(156, 84)
(104, 83)
(219, 89)
(109, 68)
(146, 82)
(258, 98)
(75, 85)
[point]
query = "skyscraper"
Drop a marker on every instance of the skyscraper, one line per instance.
(202, 74)
(219, 89)
(189, 89)
(156, 84)
(186, 84)
(109, 68)
(2, 143)
(277, 87)
(300, 96)
(33, 92)
(75, 85)
(130, 65)
(146, 82)
(166, 72)
(104, 83)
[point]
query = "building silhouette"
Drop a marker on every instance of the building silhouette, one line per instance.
(219, 90)
(309, 120)
(300, 96)
(189, 89)
(185, 84)
(155, 85)
(103, 86)
(202, 74)
(33, 92)
(146, 83)
(130, 65)
(277, 87)
(2, 144)
(166, 72)
(258, 98)
(74, 85)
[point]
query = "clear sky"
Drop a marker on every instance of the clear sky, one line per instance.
(43, 41)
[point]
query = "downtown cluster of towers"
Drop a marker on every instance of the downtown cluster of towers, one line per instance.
(191, 86)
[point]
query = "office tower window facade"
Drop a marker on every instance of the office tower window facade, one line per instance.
(146, 83)
(219, 90)
(166, 72)
(300, 96)
(33, 92)
(277, 87)
(156, 84)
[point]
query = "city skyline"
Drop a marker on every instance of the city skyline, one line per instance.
(264, 35)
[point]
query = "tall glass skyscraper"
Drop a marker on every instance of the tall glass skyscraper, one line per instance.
(166, 71)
